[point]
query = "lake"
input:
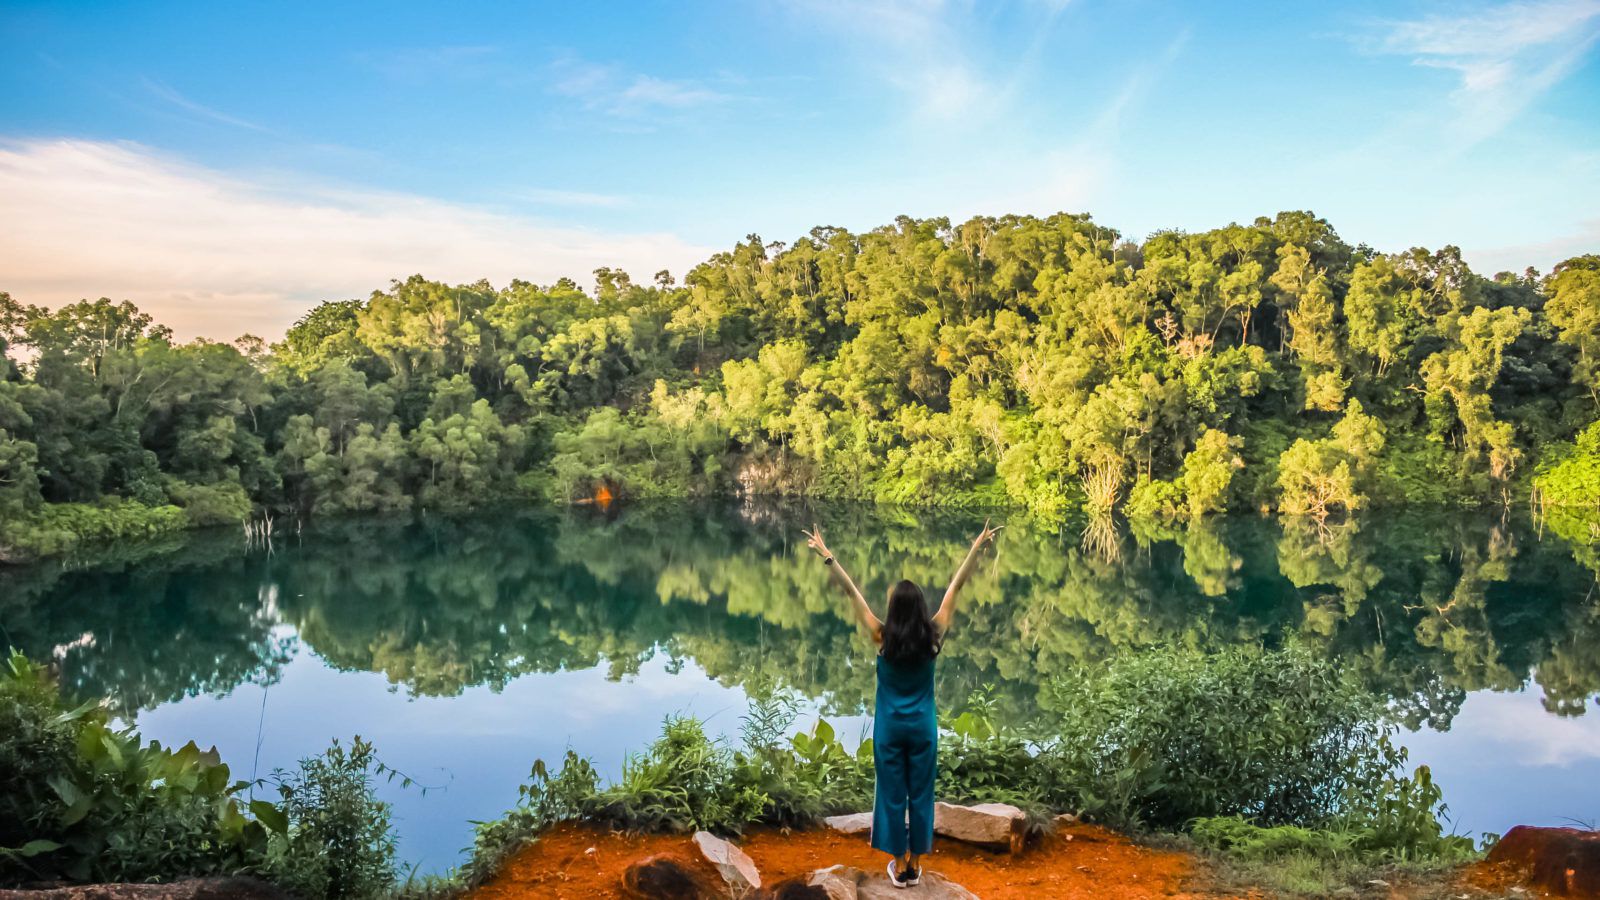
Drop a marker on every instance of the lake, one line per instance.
(467, 648)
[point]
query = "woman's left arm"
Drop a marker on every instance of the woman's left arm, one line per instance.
(947, 608)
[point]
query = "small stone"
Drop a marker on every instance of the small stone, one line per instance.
(735, 866)
(1065, 819)
(997, 826)
(854, 823)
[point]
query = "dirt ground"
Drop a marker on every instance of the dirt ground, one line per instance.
(580, 863)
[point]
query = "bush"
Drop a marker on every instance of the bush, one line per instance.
(1159, 738)
(686, 781)
(1571, 476)
(1266, 752)
(81, 801)
(225, 503)
(333, 838)
(57, 528)
(983, 762)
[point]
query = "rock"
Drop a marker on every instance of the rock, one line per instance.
(1065, 819)
(736, 867)
(835, 883)
(667, 876)
(188, 889)
(997, 826)
(855, 823)
(848, 883)
(1563, 861)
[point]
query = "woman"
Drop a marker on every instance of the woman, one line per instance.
(905, 732)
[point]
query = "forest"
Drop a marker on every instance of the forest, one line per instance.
(1047, 364)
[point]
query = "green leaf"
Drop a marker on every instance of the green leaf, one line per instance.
(33, 848)
(824, 732)
(270, 816)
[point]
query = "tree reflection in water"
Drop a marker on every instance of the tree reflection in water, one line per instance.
(1425, 608)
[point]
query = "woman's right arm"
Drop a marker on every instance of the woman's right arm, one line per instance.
(842, 579)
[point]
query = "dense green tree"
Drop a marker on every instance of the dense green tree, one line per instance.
(1045, 362)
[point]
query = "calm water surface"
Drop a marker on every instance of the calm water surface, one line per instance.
(465, 649)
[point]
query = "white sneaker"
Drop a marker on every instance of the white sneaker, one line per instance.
(894, 875)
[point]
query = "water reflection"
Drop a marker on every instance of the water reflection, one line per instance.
(1426, 608)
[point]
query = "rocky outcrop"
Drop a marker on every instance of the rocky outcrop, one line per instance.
(849, 883)
(996, 826)
(737, 870)
(854, 823)
(1562, 861)
(188, 889)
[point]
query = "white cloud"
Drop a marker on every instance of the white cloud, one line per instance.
(416, 65)
(1542, 255)
(1510, 726)
(1506, 55)
(922, 48)
(171, 95)
(611, 90)
(216, 254)
(558, 197)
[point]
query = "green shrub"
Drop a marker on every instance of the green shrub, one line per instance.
(1248, 840)
(684, 782)
(984, 762)
(225, 503)
(56, 528)
(1571, 476)
(82, 801)
(1162, 737)
(333, 838)
(803, 777)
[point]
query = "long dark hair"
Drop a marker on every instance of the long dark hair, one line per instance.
(908, 632)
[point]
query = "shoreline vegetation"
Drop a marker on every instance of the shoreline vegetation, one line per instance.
(1042, 364)
(1273, 762)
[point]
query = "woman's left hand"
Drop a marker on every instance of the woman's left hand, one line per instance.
(814, 541)
(986, 536)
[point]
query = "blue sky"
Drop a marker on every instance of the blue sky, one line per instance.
(227, 164)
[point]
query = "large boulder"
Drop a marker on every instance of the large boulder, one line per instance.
(848, 883)
(854, 823)
(995, 826)
(737, 869)
(188, 889)
(1562, 861)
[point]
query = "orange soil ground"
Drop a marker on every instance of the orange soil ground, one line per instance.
(1081, 861)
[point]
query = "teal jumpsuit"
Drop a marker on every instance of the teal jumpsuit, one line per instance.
(905, 753)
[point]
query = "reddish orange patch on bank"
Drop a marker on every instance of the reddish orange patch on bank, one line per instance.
(573, 862)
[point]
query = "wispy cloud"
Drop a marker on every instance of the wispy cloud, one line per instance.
(171, 95)
(557, 197)
(920, 47)
(1506, 55)
(419, 64)
(617, 92)
(213, 253)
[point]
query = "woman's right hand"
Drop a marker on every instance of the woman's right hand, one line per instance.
(814, 541)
